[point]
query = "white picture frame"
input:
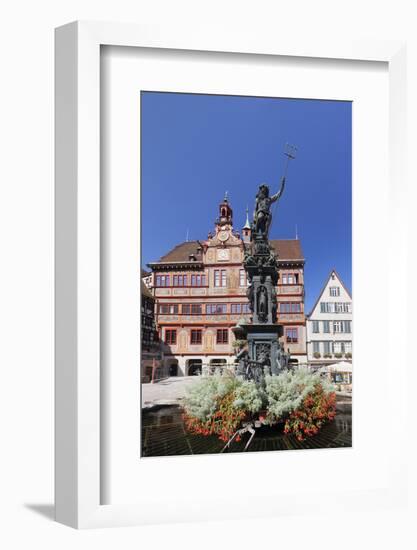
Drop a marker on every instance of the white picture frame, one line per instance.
(78, 406)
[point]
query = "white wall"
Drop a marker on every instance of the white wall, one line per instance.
(26, 170)
(319, 316)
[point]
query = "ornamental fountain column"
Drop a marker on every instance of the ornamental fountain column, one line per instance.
(264, 353)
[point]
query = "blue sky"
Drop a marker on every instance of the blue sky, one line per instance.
(195, 147)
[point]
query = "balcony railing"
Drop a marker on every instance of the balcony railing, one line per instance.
(283, 290)
(204, 317)
(290, 317)
(181, 292)
(211, 369)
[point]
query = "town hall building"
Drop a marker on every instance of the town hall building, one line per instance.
(200, 294)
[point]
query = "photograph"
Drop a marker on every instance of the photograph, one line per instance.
(246, 273)
(195, 195)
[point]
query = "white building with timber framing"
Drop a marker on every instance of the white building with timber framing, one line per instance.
(329, 324)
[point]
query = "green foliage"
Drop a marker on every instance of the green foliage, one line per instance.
(287, 391)
(201, 400)
(223, 423)
(316, 408)
(238, 344)
(250, 397)
(218, 404)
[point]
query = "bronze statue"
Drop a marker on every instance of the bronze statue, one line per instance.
(262, 303)
(262, 217)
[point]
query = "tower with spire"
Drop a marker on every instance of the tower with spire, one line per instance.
(225, 214)
(246, 229)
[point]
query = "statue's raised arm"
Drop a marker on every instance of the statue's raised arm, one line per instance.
(278, 195)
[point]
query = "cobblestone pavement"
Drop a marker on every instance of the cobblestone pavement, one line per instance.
(166, 392)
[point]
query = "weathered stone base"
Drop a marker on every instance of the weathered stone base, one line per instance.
(263, 341)
(264, 350)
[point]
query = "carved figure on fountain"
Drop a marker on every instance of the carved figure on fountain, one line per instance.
(262, 304)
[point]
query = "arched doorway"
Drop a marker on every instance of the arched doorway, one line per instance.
(173, 369)
(195, 367)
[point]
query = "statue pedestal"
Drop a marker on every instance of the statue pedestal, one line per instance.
(264, 350)
(263, 345)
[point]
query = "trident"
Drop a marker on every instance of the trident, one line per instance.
(290, 151)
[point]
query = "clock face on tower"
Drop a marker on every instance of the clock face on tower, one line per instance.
(223, 254)
(223, 236)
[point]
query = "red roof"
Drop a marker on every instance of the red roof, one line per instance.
(289, 249)
(182, 252)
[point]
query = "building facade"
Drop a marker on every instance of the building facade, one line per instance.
(200, 293)
(152, 364)
(329, 325)
(147, 278)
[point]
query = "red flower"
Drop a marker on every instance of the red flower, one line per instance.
(315, 410)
